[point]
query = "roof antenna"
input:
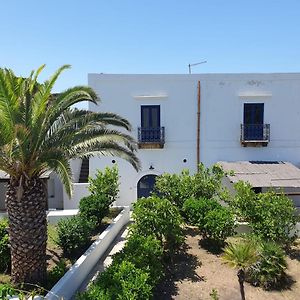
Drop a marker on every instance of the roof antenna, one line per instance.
(195, 64)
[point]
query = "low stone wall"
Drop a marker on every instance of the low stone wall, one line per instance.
(243, 227)
(67, 286)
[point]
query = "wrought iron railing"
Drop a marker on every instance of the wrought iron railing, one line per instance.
(255, 132)
(151, 135)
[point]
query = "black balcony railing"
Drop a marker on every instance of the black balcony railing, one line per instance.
(255, 132)
(151, 135)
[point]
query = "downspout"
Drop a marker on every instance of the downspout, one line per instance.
(198, 126)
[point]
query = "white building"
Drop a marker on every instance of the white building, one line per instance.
(243, 117)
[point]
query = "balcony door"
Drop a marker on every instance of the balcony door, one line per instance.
(253, 121)
(150, 123)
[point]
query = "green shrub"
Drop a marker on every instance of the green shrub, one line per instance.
(271, 216)
(206, 183)
(195, 210)
(73, 234)
(274, 217)
(57, 272)
(95, 207)
(218, 224)
(122, 281)
(4, 246)
(244, 201)
(145, 253)
(269, 271)
(105, 183)
(159, 217)
(6, 291)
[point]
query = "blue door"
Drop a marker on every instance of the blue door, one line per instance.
(145, 186)
(253, 121)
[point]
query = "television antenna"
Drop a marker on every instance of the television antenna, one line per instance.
(196, 64)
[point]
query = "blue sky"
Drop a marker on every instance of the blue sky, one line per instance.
(149, 36)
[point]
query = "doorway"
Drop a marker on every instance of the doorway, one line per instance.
(145, 186)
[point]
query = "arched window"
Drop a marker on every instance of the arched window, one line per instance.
(145, 185)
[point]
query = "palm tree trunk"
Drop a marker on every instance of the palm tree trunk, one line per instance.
(26, 207)
(241, 277)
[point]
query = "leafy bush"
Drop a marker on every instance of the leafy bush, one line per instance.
(105, 183)
(6, 291)
(145, 253)
(271, 216)
(159, 217)
(57, 272)
(195, 210)
(73, 234)
(244, 201)
(206, 183)
(269, 270)
(94, 207)
(121, 281)
(218, 224)
(4, 246)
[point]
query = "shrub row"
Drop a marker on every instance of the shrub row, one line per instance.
(206, 183)
(215, 221)
(138, 268)
(74, 234)
(272, 217)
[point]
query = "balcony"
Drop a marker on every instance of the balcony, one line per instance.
(255, 135)
(151, 138)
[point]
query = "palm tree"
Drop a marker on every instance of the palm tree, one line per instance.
(41, 132)
(241, 255)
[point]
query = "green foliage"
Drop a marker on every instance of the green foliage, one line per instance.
(4, 246)
(57, 272)
(94, 207)
(73, 234)
(104, 189)
(269, 270)
(271, 216)
(121, 281)
(105, 183)
(206, 183)
(145, 253)
(244, 201)
(219, 224)
(240, 255)
(214, 294)
(6, 291)
(195, 210)
(158, 217)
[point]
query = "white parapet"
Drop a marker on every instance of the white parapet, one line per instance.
(67, 286)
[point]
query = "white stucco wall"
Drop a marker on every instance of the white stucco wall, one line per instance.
(222, 115)
(118, 94)
(222, 100)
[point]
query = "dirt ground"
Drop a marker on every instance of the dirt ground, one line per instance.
(196, 272)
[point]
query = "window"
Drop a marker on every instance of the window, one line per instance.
(150, 116)
(253, 121)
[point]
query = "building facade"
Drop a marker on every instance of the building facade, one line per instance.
(179, 120)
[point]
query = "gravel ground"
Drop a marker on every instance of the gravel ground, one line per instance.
(195, 272)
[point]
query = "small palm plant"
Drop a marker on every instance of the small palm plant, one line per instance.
(241, 256)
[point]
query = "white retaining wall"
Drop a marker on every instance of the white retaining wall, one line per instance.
(67, 286)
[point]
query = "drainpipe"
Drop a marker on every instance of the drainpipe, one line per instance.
(198, 126)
